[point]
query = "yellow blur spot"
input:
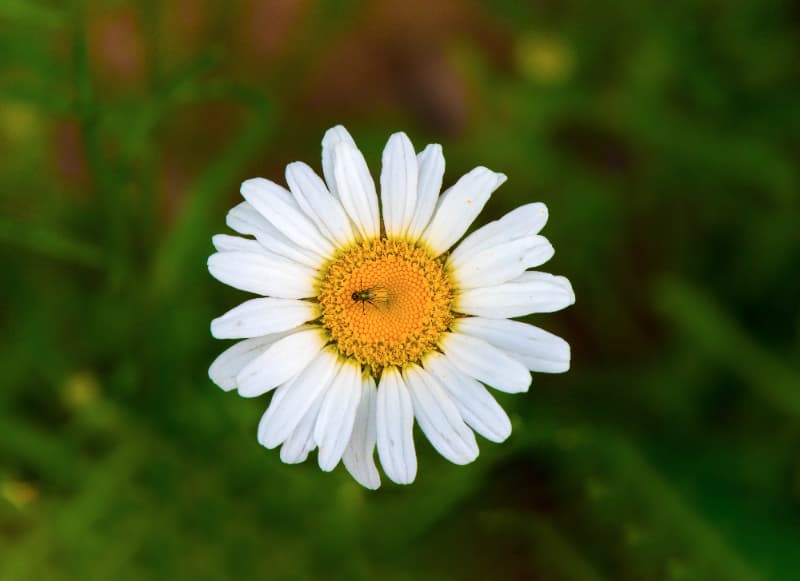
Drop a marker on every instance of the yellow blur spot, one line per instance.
(19, 493)
(20, 123)
(634, 534)
(596, 489)
(568, 438)
(80, 390)
(544, 59)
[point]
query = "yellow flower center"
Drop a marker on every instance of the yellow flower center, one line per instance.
(385, 302)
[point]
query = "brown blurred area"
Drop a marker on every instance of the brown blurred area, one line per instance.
(395, 60)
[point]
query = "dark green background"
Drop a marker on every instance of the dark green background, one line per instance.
(663, 136)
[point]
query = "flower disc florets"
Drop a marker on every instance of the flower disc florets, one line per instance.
(385, 302)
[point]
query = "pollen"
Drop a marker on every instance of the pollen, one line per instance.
(385, 302)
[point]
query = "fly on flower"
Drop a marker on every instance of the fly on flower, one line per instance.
(377, 296)
(431, 328)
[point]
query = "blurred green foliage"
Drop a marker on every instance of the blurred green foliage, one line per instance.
(663, 137)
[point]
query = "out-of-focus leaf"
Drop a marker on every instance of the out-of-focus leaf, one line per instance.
(183, 250)
(721, 338)
(49, 243)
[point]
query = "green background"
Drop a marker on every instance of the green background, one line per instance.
(663, 136)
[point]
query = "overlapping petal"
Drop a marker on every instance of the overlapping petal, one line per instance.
(245, 219)
(531, 292)
(476, 405)
(439, 418)
(282, 361)
(262, 316)
(229, 363)
(336, 416)
(526, 220)
(502, 263)
(300, 443)
(477, 358)
(263, 273)
(398, 184)
(293, 399)
(458, 207)
(537, 349)
(356, 189)
(359, 458)
(319, 205)
(226, 243)
(429, 183)
(394, 417)
(333, 137)
(280, 208)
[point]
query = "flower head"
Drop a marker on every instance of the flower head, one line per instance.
(366, 320)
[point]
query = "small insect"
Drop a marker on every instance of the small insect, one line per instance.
(375, 296)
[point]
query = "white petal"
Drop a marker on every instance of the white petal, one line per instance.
(531, 292)
(245, 219)
(524, 221)
(488, 364)
(335, 422)
(229, 363)
(394, 417)
(262, 316)
(314, 199)
(297, 397)
(356, 189)
(226, 243)
(275, 405)
(301, 441)
(358, 456)
(439, 418)
(431, 172)
(263, 273)
(459, 206)
(535, 347)
(282, 361)
(333, 136)
(278, 206)
(503, 262)
(476, 405)
(398, 184)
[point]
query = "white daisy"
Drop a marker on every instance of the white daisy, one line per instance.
(366, 322)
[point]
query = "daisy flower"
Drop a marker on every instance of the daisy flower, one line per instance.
(368, 321)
